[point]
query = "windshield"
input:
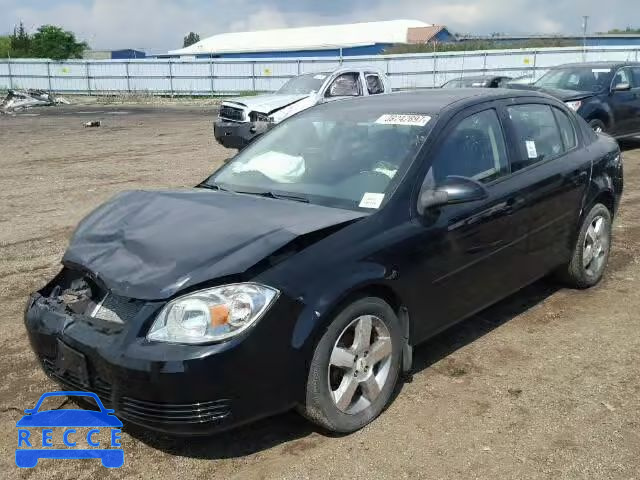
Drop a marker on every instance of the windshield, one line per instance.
(308, 83)
(343, 154)
(466, 83)
(582, 79)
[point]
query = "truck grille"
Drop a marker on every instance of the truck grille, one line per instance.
(231, 113)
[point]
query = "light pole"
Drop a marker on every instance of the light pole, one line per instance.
(585, 21)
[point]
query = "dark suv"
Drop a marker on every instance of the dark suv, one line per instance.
(605, 94)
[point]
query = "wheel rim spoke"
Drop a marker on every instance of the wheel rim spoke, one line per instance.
(380, 350)
(370, 388)
(587, 256)
(598, 226)
(342, 358)
(591, 234)
(344, 395)
(362, 338)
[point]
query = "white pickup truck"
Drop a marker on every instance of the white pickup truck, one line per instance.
(242, 119)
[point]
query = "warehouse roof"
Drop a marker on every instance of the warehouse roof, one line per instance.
(305, 38)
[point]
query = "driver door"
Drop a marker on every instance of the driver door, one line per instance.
(466, 256)
(624, 103)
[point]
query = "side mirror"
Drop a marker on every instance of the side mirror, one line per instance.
(453, 190)
(622, 87)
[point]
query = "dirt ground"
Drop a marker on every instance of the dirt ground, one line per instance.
(545, 384)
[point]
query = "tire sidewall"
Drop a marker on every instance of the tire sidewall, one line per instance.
(577, 266)
(320, 404)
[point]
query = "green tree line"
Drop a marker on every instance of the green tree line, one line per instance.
(49, 41)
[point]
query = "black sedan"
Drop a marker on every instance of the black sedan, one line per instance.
(479, 81)
(605, 94)
(302, 273)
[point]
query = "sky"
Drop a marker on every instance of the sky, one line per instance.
(160, 25)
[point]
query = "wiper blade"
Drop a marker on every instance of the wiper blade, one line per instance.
(212, 186)
(279, 196)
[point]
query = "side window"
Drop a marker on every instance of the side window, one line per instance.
(623, 76)
(536, 132)
(636, 76)
(567, 130)
(374, 84)
(345, 85)
(474, 149)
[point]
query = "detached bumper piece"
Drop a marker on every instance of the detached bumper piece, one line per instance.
(237, 134)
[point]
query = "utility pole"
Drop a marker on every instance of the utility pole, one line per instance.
(585, 21)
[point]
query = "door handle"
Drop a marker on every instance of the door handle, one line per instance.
(514, 204)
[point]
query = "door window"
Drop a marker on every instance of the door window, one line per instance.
(567, 131)
(623, 76)
(537, 134)
(345, 85)
(374, 84)
(474, 149)
(636, 76)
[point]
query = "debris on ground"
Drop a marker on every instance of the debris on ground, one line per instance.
(17, 100)
(95, 123)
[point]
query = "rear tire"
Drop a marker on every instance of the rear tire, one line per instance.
(355, 367)
(591, 251)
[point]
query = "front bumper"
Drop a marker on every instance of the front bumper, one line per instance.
(176, 389)
(237, 134)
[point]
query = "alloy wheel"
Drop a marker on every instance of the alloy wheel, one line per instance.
(596, 245)
(359, 364)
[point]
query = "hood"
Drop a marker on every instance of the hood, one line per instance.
(266, 103)
(150, 245)
(561, 94)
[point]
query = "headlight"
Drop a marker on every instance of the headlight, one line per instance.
(258, 117)
(574, 105)
(213, 314)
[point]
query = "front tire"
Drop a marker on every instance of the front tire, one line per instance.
(591, 251)
(355, 367)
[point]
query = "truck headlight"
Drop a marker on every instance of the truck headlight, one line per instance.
(213, 314)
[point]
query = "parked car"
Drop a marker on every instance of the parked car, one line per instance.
(522, 80)
(242, 119)
(303, 272)
(482, 81)
(605, 94)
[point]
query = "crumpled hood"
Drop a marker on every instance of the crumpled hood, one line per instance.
(266, 103)
(149, 245)
(561, 94)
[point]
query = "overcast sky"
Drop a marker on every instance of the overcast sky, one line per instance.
(159, 25)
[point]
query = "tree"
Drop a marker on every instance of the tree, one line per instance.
(5, 46)
(626, 30)
(55, 43)
(190, 39)
(20, 42)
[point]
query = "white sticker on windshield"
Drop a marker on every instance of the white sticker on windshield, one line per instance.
(371, 200)
(532, 152)
(600, 70)
(403, 119)
(319, 77)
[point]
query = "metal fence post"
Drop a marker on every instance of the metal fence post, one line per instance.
(126, 72)
(253, 75)
(435, 64)
(211, 73)
(86, 71)
(484, 64)
(298, 65)
(10, 74)
(49, 75)
(171, 77)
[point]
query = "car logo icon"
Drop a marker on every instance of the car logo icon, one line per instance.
(68, 419)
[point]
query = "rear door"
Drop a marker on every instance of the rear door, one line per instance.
(373, 83)
(635, 90)
(549, 157)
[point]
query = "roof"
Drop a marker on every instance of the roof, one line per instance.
(423, 34)
(429, 102)
(305, 38)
